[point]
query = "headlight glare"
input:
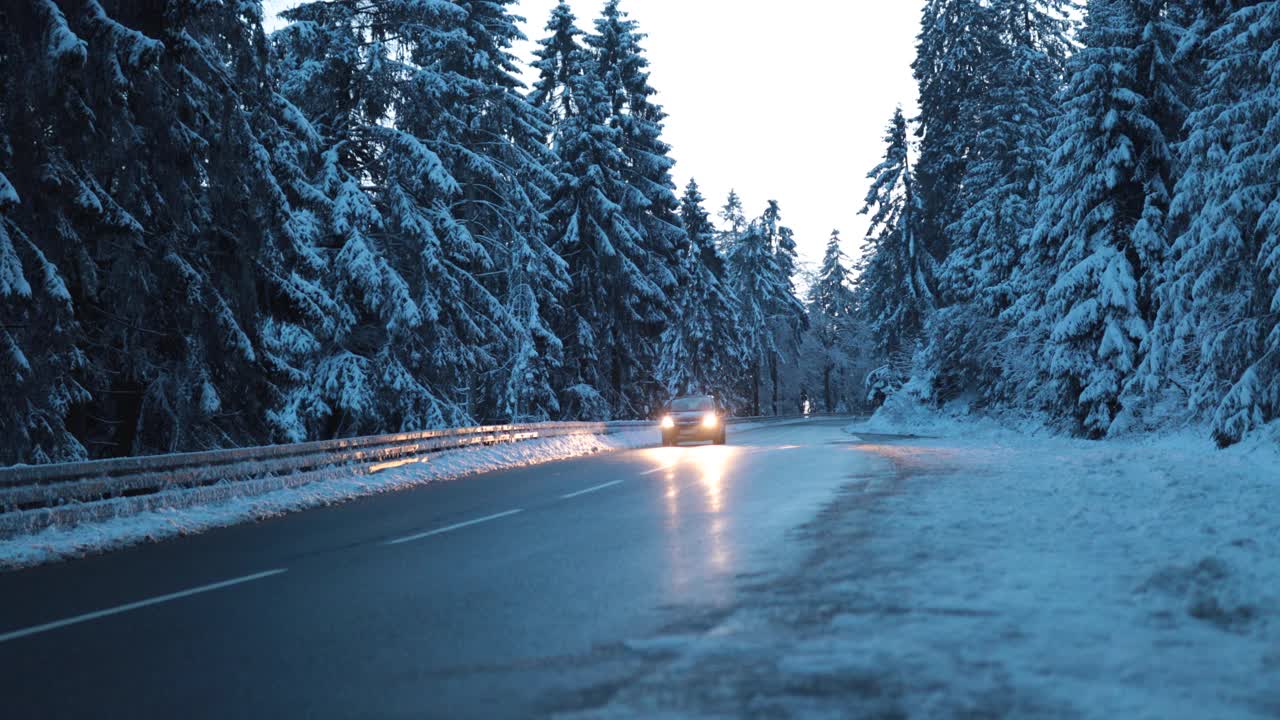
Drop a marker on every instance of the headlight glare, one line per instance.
(710, 420)
(667, 422)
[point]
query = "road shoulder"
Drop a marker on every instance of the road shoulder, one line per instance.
(1009, 577)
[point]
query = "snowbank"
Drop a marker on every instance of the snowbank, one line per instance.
(64, 542)
(903, 414)
(992, 574)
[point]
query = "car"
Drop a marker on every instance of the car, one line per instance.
(693, 418)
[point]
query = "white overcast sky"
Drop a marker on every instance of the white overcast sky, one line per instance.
(785, 101)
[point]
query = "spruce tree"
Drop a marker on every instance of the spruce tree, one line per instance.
(1215, 339)
(491, 140)
(372, 189)
(39, 334)
(613, 310)
(557, 62)
(894, 290)
(734, 217)
(162, 212)
(831, 317)
(650, 202)
(948, 69)
(1024, 47)
(700, 347)
(770, 318)
(788, 317)
(752, 268)
(1104, 215)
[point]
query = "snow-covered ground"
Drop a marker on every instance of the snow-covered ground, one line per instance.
(65, 542)
(990, 573)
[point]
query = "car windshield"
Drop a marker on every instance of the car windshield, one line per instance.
(696, 404)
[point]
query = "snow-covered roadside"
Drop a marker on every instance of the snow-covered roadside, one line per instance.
(988, 573)
(60, 543)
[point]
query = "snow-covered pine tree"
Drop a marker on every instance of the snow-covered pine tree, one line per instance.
(1216, 335)
(556, 63)
(218, 233)
(1103, 217)
(39, 354)
(339, 65)
(700, 347)
(948, 69)
(752, 267)
(612, 306)
(734, 217)
(160, 205)
(789, 318)
(492, 141)
(733, 214)
(761, 267)
(1024, 44)
(831, 320)
(651, 204)
(894, 286)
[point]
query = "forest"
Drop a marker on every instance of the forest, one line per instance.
(1082, 226)
(367, 222)
(364, 223)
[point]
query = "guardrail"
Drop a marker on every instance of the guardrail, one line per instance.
(34, 497)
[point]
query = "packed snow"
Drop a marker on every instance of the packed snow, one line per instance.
(987, 572)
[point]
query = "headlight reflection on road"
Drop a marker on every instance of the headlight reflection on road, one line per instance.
(711, 462)
(696, 495)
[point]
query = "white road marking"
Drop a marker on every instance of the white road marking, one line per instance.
(14, 635)
(451, 528)
(570, 496)
(658, 470)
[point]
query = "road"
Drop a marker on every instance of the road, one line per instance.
(513, 594)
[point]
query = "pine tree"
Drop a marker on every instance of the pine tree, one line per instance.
(1025, 46)
(557, 62)
(612, 306)
(1216, 334)
(650, 202)
(700, 347)
(491, 140)
(894, 290)
(39, 334)
(169, 236)
(948, 64)
(770, 318)
(752, 268)
(831, 317)
(788, 317)
(1104, 214)
(363, 179)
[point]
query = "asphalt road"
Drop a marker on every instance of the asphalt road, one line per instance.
(513, 594)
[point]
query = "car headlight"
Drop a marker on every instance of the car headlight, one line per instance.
(667, 422)
(710, 420)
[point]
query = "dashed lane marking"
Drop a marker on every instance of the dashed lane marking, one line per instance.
(451, 528)
(597, 488)
(37, 629)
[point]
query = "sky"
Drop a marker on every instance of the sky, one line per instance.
(778, 101)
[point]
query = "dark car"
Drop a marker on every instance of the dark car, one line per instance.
(693, 418)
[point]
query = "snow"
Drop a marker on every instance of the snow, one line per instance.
(993, 573)
(59, 543)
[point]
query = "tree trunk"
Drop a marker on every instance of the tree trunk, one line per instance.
(755, 388)
(826, 388)
(773, 375)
